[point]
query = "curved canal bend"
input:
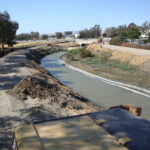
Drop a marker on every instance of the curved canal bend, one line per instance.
(96, 90)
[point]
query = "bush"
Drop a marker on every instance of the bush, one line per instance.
(71, 54)
(116, 41)
(75, 54)
(85, 53)
(100, 40)
(105, 54)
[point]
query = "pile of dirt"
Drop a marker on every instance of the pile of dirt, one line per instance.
(33, 87)
(47, 88)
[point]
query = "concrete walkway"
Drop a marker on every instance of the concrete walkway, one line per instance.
(89, 132)
(77, 133)
(12, 69)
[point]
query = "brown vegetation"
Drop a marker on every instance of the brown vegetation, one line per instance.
(32, 43)
(119, 56)
(68, 44)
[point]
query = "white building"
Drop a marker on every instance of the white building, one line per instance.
(144, 34)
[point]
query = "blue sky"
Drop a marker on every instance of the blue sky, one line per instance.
(49, 16)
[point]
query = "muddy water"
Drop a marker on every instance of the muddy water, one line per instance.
(96, 90)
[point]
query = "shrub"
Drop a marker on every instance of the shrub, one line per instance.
(85, 53)
(72, 53)
(100, 40)
(105, 54)
(116, 41)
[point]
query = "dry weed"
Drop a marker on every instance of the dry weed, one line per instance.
(115, 55)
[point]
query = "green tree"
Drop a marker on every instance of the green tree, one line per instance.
(145, 26)
(84, 34)
(35, 35)
(133, 31)
(111, 32)
(59, 35)
(23, 36)
(8, 30)
(44, 37)
(122, 32)
(93, 32)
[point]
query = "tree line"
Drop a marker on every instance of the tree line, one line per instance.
(8, 30)
(31, 36)
(131, 31)
(122, 32)
(118, 34)
(93, 32)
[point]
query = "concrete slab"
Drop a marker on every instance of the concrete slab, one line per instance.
(26, 138)
(79, 133)
(122, 123)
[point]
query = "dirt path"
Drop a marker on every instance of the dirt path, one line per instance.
(12, 70)
(135, 51)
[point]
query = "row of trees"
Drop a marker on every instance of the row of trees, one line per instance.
(123, 32)
(93, 32)
(8, 30)
(37, 36)
(31, 36)
(132, 31)
(131, 28)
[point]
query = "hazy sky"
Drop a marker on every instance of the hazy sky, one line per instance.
(49, 16)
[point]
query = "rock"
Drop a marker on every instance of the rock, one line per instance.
(136, 110)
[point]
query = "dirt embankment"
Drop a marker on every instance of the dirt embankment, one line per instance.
(43, 90)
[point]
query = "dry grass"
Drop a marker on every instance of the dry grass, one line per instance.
(93, 48)
(32, 43)
(69, 44)
(115, 55)
(120, 56)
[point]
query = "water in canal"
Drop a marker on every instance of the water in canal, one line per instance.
(96, 90)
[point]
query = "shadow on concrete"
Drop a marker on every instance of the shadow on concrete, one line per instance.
(8, 124)
(8, 82)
